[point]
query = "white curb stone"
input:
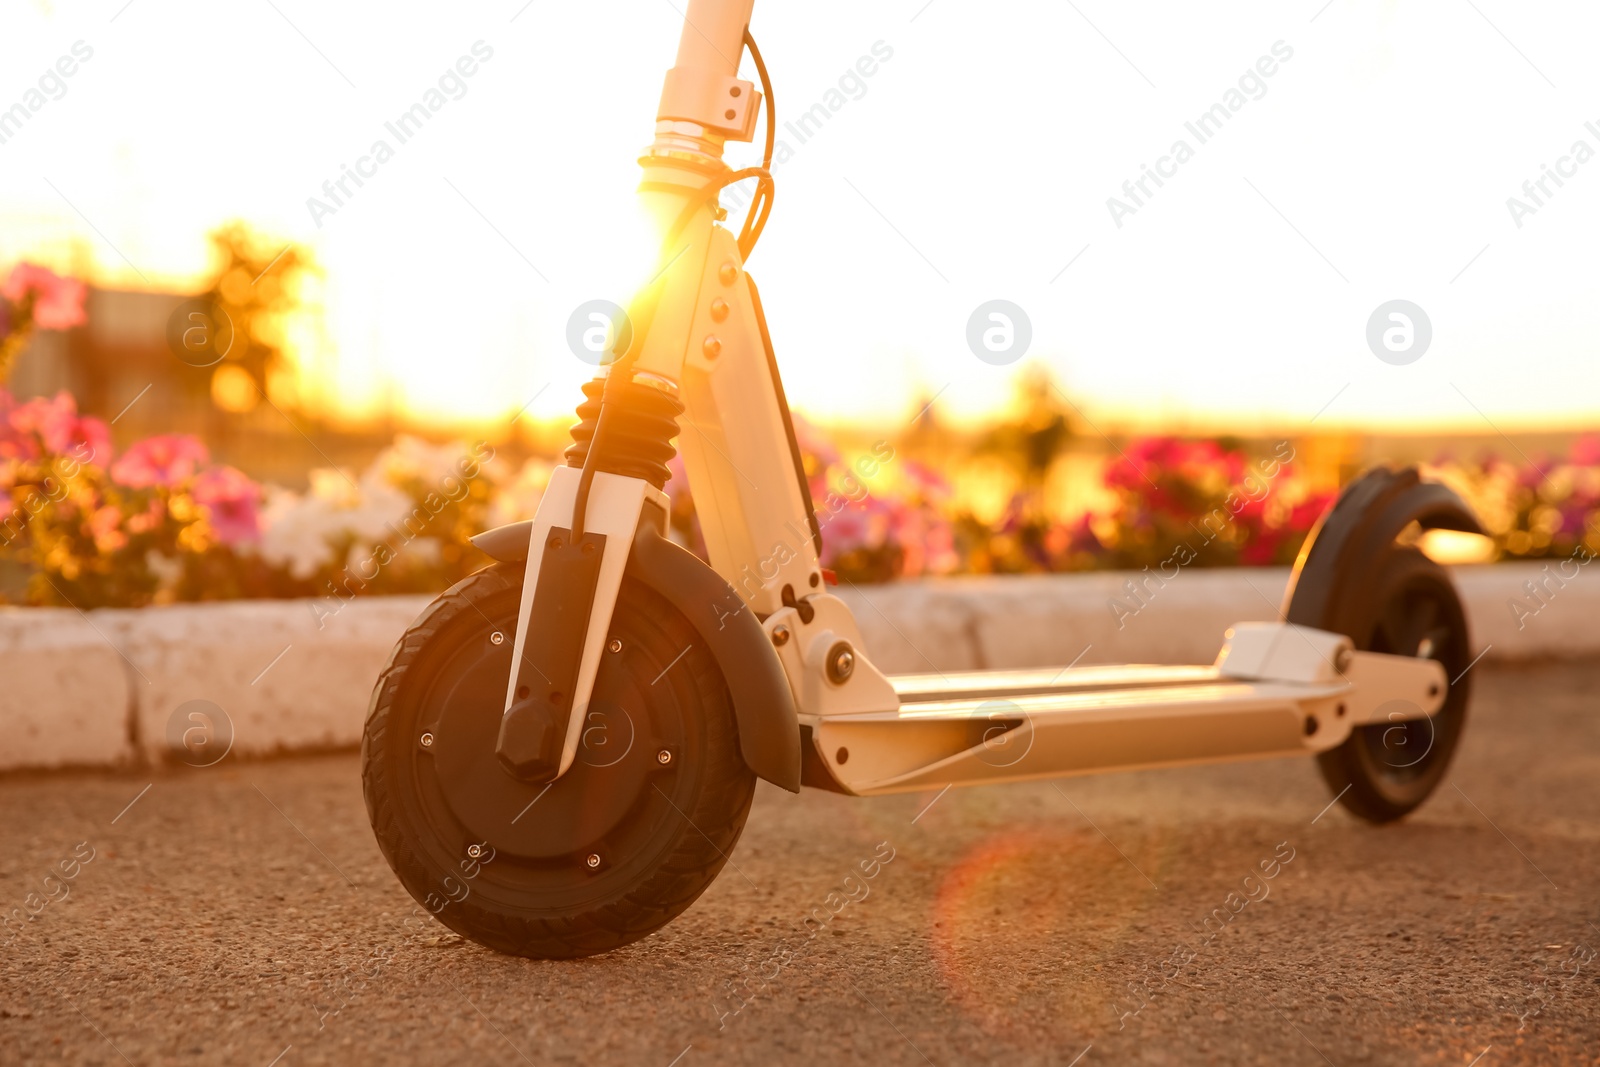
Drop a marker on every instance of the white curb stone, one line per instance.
(65, 697)
(100, 689)
(285, 682)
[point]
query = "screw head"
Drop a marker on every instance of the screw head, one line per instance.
(474, 851)
(727, 274)
(427, 740)
(719, 309)
(711, 346)
(841, 663)
(780, 636)
(615, 645)
(663, 757)
(593, 861)
(497, 638)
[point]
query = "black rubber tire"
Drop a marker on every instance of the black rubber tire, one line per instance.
(1377, 773)
(664, 832)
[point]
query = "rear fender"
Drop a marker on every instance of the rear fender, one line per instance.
(1336, 567)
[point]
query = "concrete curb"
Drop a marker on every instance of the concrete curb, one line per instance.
(103, 688)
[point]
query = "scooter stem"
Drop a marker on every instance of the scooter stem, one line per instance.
(713, 35)
(703, 102)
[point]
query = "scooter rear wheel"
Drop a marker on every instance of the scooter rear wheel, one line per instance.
(611, 851)
(1386, 769)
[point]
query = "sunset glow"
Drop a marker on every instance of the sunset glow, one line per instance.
(450, 270)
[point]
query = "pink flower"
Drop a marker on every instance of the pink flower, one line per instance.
(57, 425)
(230, 500)
(1585, 451)
(859, 526)
(58, 301)
(163, 460)
(1262, 548)
(1575, 515)
(1305, 514)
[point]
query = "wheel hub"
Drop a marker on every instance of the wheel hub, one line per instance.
(612, 774)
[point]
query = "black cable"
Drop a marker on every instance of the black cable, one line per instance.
(761, 207)
(766, 90)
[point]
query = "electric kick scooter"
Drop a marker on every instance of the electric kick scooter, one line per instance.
(580, 726)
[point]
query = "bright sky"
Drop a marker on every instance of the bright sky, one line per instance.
(975, 164)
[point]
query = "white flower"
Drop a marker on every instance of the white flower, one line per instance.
(413, 458)
(300, 531)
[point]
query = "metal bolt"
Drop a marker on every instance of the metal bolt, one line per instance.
(711, 346)
(727, 274)
(663, 757)
(615, 645)
(593, 861)
(427, 740)
(474, 851)
(841, 663)
(780, 636)
(719, 309)
(497, 638)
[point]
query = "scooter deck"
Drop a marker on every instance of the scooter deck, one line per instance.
(1001, 685)
(1276, 690)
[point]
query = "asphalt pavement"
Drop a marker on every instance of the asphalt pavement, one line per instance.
(242, 914)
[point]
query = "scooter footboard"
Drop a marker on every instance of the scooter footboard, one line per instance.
(1276, 690)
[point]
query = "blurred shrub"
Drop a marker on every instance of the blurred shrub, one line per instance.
(161, 523)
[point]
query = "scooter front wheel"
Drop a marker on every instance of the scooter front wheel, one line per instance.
(607, 854)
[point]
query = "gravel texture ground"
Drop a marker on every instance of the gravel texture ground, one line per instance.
(242, 914)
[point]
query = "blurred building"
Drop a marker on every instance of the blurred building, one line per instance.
(119, 367)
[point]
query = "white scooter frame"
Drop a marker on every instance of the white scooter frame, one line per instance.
(1275, 689)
